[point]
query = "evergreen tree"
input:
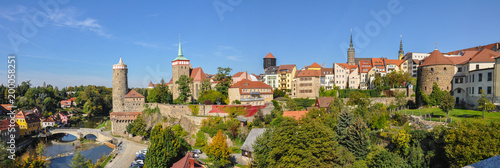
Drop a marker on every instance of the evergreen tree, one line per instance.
(345, 120)
(262, 148)
(165, 148)
(358, 140)
(218, 151)
(385, 159)
(184, 87)
(152, 95)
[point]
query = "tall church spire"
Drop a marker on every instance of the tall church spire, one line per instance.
(350, 53)
(401, 51)
(180, 56)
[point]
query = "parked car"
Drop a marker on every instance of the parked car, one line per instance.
(140, 157)
(197, 151)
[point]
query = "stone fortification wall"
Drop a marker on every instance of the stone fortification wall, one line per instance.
(384, 100)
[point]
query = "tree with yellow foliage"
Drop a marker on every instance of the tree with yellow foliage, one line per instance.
(217, 151)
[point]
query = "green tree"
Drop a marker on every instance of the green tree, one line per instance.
(152, 95)
(484, 103)
(402, 143)
(262, 149)
(4, 154)
(358, 140)
(385, 159)
(470, 141)
(344, 120)
(184, 86)
(206, 85)
(212, 95)
(447, 103)
(201, 139)
(291, 105)
(309, 144)
(79, 161)
(223, 79)
(165, 148)
(218, 151)
(278, 93)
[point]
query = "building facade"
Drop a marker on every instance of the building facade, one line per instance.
(29, 122)
(269, 60)
(435, 69)
(286, 74)
(250, 92)
(306, 84)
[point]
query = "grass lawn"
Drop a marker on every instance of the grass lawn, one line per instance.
(106, 161)
(107, 128)
(456, 114)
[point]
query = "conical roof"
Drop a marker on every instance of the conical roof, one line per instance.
(179, 54)
(269, 55)
(436, 58)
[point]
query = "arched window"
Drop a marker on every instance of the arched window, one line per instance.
(444, 68)
(432, 69)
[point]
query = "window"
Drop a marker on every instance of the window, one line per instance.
(456, 80)
(490, 76)
(477, 66)
(472, 77)
(432, 69)
(459, 90)
(437, 79)
(489, 90)
(459, 69)
(444, 68)
(472, 90)
(479, 89)
(480, 77)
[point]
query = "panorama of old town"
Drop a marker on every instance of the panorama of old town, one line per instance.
(249, 84)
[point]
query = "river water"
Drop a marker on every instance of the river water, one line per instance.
(66, 145)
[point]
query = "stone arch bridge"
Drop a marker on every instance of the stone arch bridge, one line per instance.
(82, 132)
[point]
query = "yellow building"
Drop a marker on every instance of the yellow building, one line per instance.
(286, 73)
(28, 121)
(314, 66)
(251, 92)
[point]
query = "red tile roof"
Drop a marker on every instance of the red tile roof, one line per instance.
(4, 124)
(289, 68)
(326, 71)
(133, 94)
(315, 65)
(151, 84)
(485, 56)
(324, 101)
(294, 114)
(187, 162)
(7, 106)
(478, 48)
(240, 74)
(197, 74)
(269, 55)
(436, 58)
(309, 73)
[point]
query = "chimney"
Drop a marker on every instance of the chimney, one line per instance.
(191, 163)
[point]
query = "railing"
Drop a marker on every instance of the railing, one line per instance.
(252, 99)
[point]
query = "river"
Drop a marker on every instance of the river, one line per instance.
(66, 145)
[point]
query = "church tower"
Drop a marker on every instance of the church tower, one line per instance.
(180, 66)
(120, 85)
(401, 52)
(350, 53)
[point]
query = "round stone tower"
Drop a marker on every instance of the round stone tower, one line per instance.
(120, 85)
(435, 68)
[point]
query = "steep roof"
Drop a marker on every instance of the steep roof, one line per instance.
(4, 124)
(197, 74)
(133, 94)
(239, 74)
(309, 73)
(436, 58)
(289, 68)
(186, 163)
(294, 114)
(315, 65)
(324, 101)
(245, 83)
(252, 136)
(269, 56)
(151, 84)
(485, 56)
(326, 71)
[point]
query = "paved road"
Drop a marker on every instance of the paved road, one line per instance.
(126, 155)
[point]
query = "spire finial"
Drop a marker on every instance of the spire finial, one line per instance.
(436, 44)
(350, 45)
(180, 47)
(120, 62)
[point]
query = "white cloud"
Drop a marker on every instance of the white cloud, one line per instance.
(229, 53)
(13, 14)
(69, 17)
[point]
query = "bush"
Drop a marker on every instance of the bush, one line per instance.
(194, 109)
(201, 139)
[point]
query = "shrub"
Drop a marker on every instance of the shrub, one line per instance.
(194, 109)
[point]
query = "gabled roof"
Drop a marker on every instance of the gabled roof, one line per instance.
(7, 106)
(239, 74)
(245, 83)
(485, 56)
(326, 71)
(251, 138)
(4, 124)
(324, 101)
(289, 68)
(309, 73)
(294, 114)
(269, 56)
(151, 84)
(133, 94)
(436, 58)
(197, 74)
(186, 163)
(315, 65)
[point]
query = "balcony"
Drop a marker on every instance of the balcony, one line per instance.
(252, 99)
(283, 82)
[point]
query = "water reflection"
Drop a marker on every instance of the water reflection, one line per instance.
(93, 154)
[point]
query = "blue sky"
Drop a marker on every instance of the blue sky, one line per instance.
(77, 42)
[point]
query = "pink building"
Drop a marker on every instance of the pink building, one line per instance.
(64, 117)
